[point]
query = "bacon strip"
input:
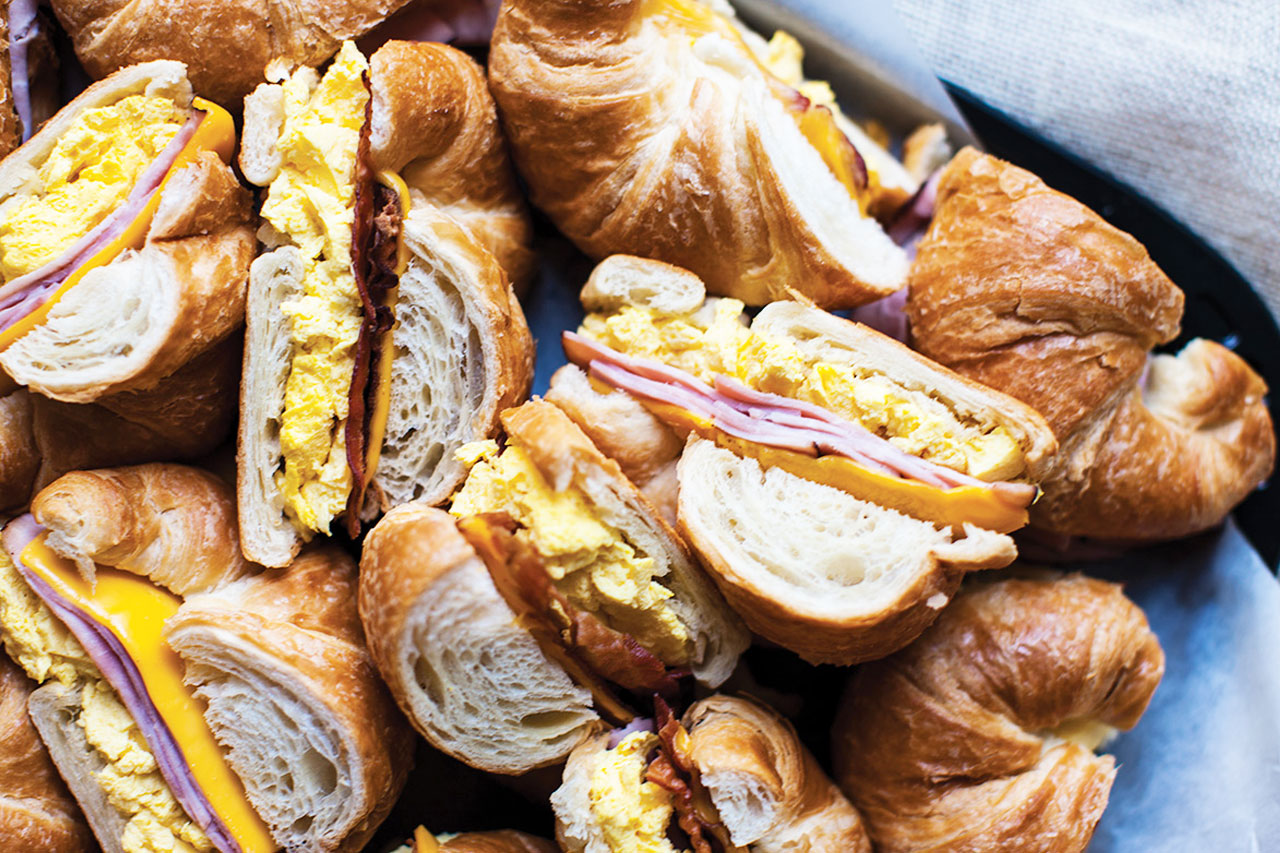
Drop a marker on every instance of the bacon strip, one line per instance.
(26, 293)
(673, 770)
(118, 668)
(770, 419)
(375, 231)
(594, 654)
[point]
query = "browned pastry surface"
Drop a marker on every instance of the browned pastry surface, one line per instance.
(36, 812)
(635, 140)
(226, 44)
(498, 841)
(968, 739)
(1027, 290)
(442, 136)
(737, 742)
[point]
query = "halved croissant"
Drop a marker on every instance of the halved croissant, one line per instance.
(1027, 290)
(652, 128)
(980, 736)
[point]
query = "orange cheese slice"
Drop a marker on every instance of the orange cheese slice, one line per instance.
(216, 132)
(424, 842)
(953, 507)
(135, 610)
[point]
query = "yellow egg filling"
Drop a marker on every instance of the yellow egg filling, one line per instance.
(90, 172)
(312, 203)
(633, 814)
(44, 648)
(719, 342)
(588, 559)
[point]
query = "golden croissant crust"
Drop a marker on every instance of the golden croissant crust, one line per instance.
(1026, 290)
(980, 735)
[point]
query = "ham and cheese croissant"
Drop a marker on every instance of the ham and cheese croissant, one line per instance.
(498, 841)
(36, 812)
(191, 699)
(552, 596)
(664, 128)
(1027, 290)
(837, 485)
(383, 332)
(125, 240)
(28, 72)
(982, 734)
(731, 775)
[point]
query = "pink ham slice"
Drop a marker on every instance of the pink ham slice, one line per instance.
(26, 293)
(770, 419)
(24, 28)
(113, 661)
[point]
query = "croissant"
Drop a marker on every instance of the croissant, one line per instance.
(494, 841)
(980, 736)
(273, 662)
(225, 45)
(656, 128)
(36, 812)
(1027, 290)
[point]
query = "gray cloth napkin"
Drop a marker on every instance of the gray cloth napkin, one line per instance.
(1180, 100)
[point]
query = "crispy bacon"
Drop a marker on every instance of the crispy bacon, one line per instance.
(594, 654)
(375, 233)
(673, 770)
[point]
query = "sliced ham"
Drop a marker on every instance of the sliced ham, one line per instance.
(118, 668)
(24, 29)
(26, 293)
(770, 419)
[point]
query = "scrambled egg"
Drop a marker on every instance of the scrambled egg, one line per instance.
(90, 172)
(633, 814)
(721, 343)
(43, 646)
(588, 560)
(312, 203)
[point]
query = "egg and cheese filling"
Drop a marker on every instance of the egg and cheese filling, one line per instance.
(589, 560)
(633, 814)
(312, 203)
(90, 172)
(131, 779)
(716, 340)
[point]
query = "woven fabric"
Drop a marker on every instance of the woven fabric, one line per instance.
(1180, 100)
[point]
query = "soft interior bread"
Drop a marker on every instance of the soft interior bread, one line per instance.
(655, 129)
(769, 790)
(278, 659)
(833, 578)
(465, 673)
(462, 348)
(1028, 291)
(36, 812)
(981, 735)
(128, 325)
(226, 46)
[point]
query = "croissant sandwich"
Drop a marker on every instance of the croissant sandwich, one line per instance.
(667, 129)
(36, 811)
(192, 700)
(125, 241)
(500, 841)
(383, 333)
(552, 596)
(731, 776)
(982, 734)
(836, 484)
(1027, 290)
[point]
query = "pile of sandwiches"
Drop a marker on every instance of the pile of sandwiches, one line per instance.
(279, 504)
